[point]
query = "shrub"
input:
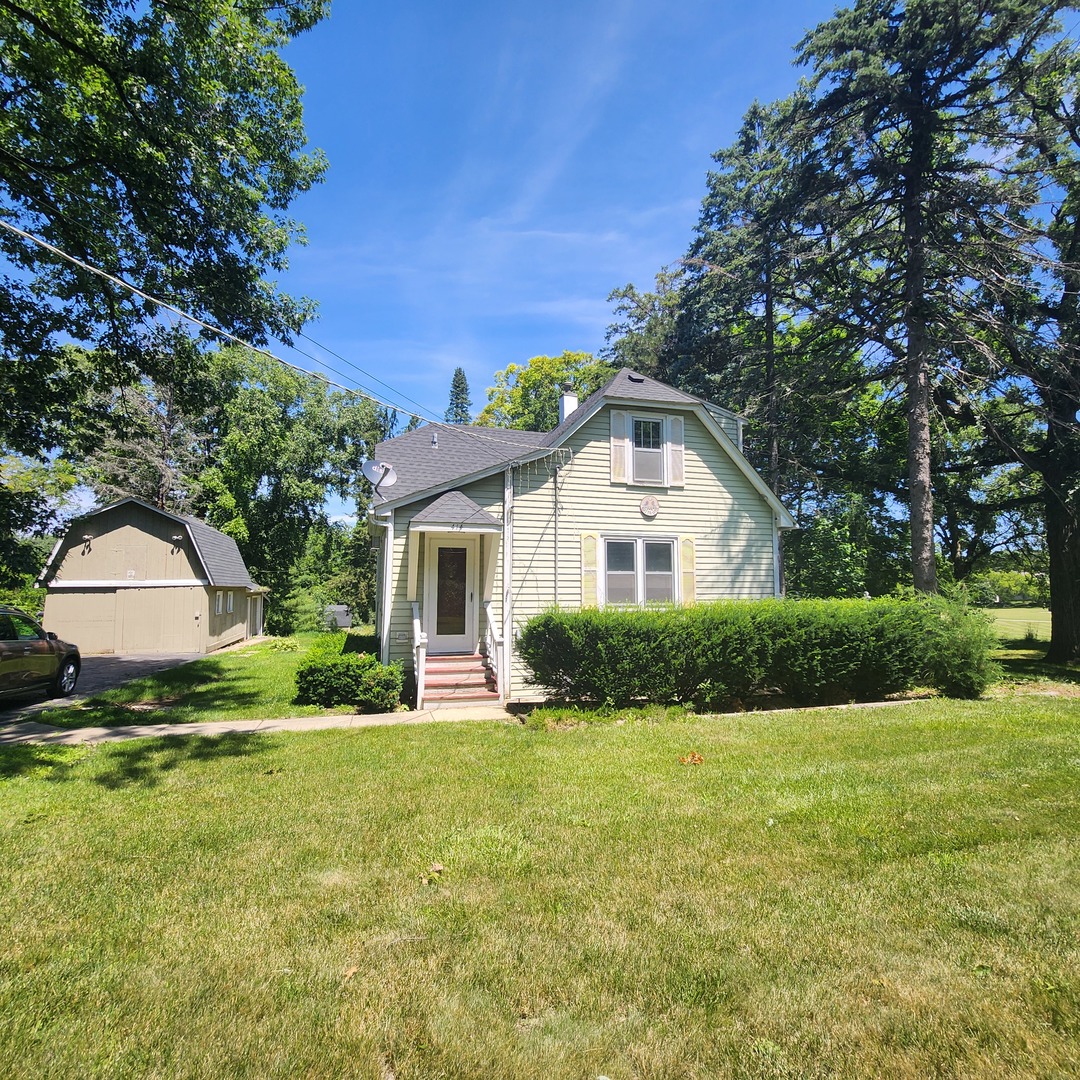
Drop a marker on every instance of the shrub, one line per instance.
(355, 679)
(361, 641)
(812, 652)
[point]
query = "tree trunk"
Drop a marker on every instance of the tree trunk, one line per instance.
(1063, 547)
(917, 368)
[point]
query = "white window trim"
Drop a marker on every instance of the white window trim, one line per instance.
(228, 603)
(219, 603)
(639, 539)
(665, 440)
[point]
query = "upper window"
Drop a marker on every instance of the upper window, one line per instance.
(648, 451)
(639, 571)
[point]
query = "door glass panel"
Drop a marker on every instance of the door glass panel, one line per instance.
(452, 587)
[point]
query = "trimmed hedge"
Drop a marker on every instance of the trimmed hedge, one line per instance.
(355, 679)
(812, 652)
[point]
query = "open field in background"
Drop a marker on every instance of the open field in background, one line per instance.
(1016, 623)
(858, 893)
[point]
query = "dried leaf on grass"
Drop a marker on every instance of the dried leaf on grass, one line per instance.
(693, 758)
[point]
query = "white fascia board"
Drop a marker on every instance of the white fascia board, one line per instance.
(784, 520)
(156, 583)
(49, 561)
(451, 527)
(459, 481)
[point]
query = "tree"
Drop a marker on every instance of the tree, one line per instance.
(458, 410)
(526, 396)
(161, 142)
(908, 98)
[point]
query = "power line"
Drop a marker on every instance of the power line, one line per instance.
(229, 336)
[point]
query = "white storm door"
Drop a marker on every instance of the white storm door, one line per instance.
(450, 594)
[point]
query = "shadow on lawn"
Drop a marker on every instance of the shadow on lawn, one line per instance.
(144, 762)
(141, 763)
(1025, 661)
(201, 689)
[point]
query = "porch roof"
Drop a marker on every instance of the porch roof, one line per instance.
(456, 509)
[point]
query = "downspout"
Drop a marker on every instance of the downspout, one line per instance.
(508, 577)
(387, 525)
(556, 567)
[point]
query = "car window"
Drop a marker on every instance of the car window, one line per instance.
(7, 629)
(25, 630)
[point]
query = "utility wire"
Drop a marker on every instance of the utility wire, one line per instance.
(227, 335)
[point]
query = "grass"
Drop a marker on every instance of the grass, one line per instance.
(853, 893)
(1022, 623)
(255, 682)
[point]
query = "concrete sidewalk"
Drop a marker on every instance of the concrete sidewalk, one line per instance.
(30, 732)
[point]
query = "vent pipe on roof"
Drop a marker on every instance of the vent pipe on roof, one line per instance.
(568, 402)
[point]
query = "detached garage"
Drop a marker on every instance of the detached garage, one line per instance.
(133, 578)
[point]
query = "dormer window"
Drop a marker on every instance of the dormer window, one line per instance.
(648, 451)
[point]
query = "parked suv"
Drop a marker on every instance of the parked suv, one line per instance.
(31, 659)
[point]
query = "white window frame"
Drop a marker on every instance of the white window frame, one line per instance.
(228, 603)
(639, 542)
(219, 603)
(636, 418)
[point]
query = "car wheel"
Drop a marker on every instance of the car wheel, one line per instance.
(66, 678)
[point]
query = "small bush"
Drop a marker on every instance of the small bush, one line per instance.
(812, 652)
(360, 641)
(355, 679)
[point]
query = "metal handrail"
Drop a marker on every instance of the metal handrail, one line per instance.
(419, 644)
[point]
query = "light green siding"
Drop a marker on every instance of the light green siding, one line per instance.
(729, 522)
(486, 493)
(723, 530)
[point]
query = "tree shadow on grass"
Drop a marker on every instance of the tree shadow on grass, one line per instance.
(1025, 661)
(32, 759)
(204, 689)
(144, 762)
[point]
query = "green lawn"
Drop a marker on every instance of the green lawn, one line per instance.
(881, 892)
(256, 682)
(1014, 624)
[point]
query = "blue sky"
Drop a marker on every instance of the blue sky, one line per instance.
(496, 169)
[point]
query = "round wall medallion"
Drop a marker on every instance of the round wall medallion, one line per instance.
(650, 506)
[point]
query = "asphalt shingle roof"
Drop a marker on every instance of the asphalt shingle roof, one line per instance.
(465, 449)
(455, 508)
(220, 555)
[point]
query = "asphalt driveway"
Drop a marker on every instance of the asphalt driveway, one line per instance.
(98, 673)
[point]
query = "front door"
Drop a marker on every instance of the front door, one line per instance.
(450, 601)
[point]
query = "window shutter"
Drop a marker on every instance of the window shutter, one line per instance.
(589, 544)
(689, 570)
(620, 446)
(675, 452)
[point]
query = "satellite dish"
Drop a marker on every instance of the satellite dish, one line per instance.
(380, 473)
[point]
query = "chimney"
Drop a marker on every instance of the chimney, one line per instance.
(568, 402)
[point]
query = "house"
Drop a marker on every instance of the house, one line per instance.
(134, 578)
(641, 494)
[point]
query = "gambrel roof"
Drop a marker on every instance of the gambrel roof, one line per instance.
(220, 557)
(438, 456)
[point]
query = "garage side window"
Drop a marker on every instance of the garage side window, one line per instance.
(229, 603)
(219, 603)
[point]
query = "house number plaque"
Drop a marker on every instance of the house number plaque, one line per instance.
(650, 506)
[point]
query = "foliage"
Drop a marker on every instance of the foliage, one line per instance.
(355, 679)
(160, 141)
(457, 411)
(361, 640)
(716, 655)
(1008, 587)
(527, 396)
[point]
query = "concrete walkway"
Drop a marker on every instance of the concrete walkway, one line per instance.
(31, 732)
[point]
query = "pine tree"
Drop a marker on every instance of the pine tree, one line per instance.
(460, 403)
